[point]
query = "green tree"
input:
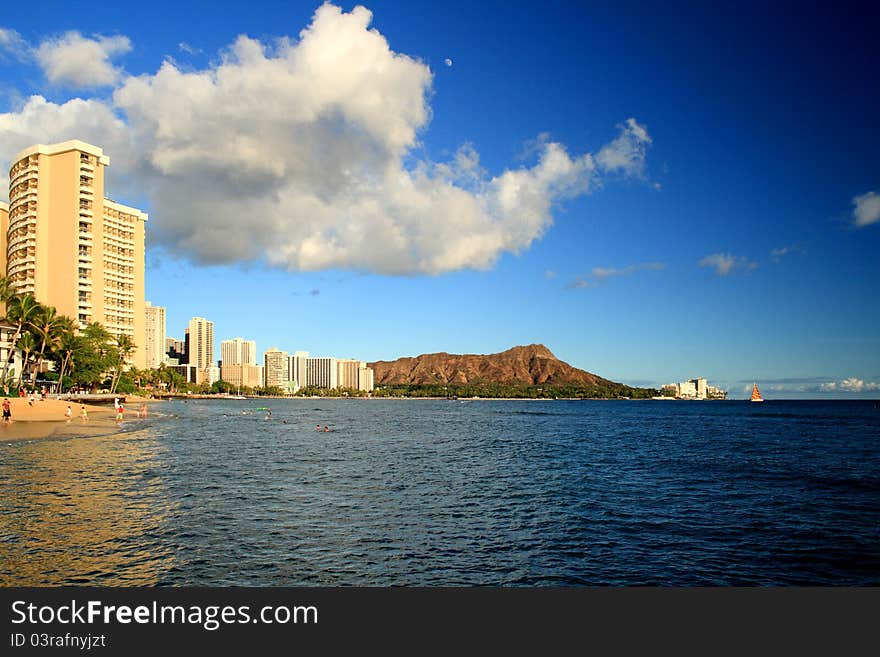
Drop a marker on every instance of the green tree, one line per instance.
(125, 346)
(26, 344)
(20, 310)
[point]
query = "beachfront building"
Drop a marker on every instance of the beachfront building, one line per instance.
(154, 335)
(697, 388)
(321, 373)
(200, 347)
(275, 369)
(242, 376)
(365, 378)
(70, 246)
(238, 351)
(347, 373)
(297, 366)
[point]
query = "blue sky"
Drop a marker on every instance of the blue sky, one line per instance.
(361, 207)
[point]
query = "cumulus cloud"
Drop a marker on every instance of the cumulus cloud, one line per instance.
(82, 62)
(852, 384)
(866, 210)
(725, 263)
(41, 121)
(302, 154)
(602, 274)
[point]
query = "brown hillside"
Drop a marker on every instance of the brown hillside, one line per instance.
(531, 365)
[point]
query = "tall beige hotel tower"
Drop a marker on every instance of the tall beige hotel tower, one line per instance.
(71, 247)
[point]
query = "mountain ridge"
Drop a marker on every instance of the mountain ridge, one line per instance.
(532, 364)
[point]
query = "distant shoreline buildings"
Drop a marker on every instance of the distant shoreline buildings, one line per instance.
(698, 388)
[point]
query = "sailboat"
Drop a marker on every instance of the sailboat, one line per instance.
(756, 394)
(239, 395)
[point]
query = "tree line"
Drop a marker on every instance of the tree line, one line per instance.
(85, 359)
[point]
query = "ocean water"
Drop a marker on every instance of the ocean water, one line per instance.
(418, 492)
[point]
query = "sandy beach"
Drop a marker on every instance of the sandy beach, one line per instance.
(46, 418)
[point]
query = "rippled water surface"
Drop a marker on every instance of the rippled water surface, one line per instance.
(451, 493)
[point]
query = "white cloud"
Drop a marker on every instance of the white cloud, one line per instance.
(852, 384)
(13, 43)
(781, 252)
(725, 263)
(447, 61)
(867, 209)
(626, 154)
(303, 155)
(82, 62)
(602, 274)
(183, 46)
(40, 121)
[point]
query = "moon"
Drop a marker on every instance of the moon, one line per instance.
(447, 61)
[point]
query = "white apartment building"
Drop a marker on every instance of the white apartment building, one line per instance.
(238, 351)
(275, 368)
(154, 340)
(297, 366)
(322, 373)
(201, 347)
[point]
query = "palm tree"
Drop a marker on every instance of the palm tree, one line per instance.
(68, 344)
(26, 343)
(124, 348)
(7, 289)
(20, 311)
(48, 327)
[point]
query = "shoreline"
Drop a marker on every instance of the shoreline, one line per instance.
(46, 418)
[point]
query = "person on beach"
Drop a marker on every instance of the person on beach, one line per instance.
(143, 411)
(68, 413)
(83, 413)
(119, 411)
(31, 399)
(7, 412)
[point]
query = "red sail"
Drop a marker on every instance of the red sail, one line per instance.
(756, 395)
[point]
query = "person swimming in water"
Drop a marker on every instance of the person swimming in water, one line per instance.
(317, 427)
(326, 429)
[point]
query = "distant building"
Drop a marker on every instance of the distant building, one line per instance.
(247, 376)
(275, 368)
(154, 339)
(365, 378)
(200, 348)
(321, 373)
(697, 388)
(297, 365)
(687, 390)
(347, 373)
(188, 372)
(238, 351)
(175, 350)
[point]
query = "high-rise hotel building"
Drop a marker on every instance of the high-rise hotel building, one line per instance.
(238, 363)
(72, 248)
(154, 335)
(201, 347)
